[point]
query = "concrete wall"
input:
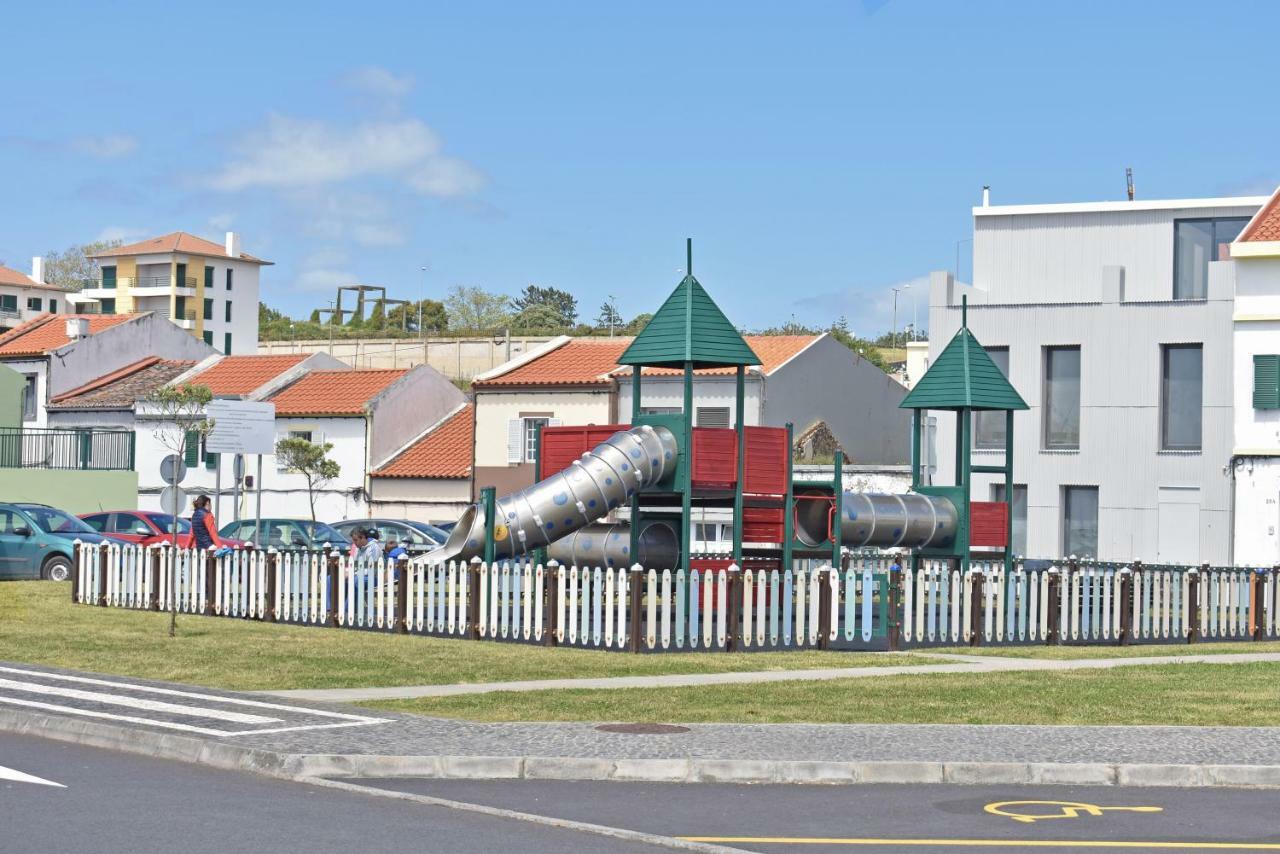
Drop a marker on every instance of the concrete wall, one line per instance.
(456, 358)
(494, 409)
(74, 491)
(408, 407)
(11, 385)
(40, 368)
(148, 335)
(707, 391)
(857, 400)
(421, 499)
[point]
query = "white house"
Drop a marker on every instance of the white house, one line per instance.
(1113, 320)
(430, 480)
(24, 297)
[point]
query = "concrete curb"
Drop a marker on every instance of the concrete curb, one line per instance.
(310, 766)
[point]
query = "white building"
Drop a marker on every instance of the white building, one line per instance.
(24, 297)
(430, 480)
(209, 289)
(1114, 322)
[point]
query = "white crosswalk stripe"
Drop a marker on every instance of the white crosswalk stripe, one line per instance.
(135, 702)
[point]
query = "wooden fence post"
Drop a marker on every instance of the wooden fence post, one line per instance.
(893, 632)
(157, 569)
(1193, 607)
(551, 611)
(1124, 633)
(210, 579)
(1052, 630)
(75, 572)
(331, 564)
(402, 596)
(977, 617)
(635, 581)
(473, 598)
(272, 584)
(824, 607)
(733, 608)
(102, 575)
(1257, 603)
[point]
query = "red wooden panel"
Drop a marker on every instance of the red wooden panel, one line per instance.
(765, 466)
(763, 524)
(704, 564)
(988, 523)
(715, 457)
(562, 445)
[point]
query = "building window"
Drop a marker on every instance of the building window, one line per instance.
(659, 410)
(300, 434)
(208, 309)
(1181, 394)
(53, 306)
(531, 428)
(208, 337)
(108, 306)
(9, 302)
(179, 307)
(989, 427)
(1196, 242)
(1080, 521)
(712, 416)
(1019, 511)
(226, 342)
(109, 277)
(29, 399)
(229, 271)
(1266, 382)
(34, 303)
(208, 278)
(227, 318)
(1062, 397)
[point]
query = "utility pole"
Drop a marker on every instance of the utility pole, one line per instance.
(421, 291)
(331, 316)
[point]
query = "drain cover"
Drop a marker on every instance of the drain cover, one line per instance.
(643, 729)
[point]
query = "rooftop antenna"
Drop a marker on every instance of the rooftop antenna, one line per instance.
(1128, 180)
(964, 311)
(688, 256)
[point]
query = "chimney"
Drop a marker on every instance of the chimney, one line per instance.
(986, 196)
(37, 269)
(233, 245)
(77, 328)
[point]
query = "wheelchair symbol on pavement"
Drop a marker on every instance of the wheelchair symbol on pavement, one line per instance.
(1065, 809)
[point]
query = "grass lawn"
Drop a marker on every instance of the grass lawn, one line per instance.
(1076, 652)
(39, 625)
(1201, 694)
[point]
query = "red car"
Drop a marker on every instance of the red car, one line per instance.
(144, 526)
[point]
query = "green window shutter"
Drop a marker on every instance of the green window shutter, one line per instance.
(228, 317)
(211, 461)
(1266, 382)
(109, 277)
(192, 456)
(208, 277)
(208, 337)
(208, 309)
(226, 343)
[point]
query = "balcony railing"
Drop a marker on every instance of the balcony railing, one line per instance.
(88, 449)
(141, 282)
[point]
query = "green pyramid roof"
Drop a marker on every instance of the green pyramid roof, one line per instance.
(689, 327)
(963, 377)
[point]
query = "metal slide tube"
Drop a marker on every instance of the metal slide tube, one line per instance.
(909, 520)
(569, 500)
(658, 546)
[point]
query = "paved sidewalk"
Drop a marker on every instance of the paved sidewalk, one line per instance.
(406, 745)
(960, 664)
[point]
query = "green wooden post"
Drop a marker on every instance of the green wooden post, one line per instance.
(686, 495)
(742, 449)
(964, 462)
(488, 496)
(634, 533)
(837, 468)
(1008, 490)
(789, 506)
(916, 421)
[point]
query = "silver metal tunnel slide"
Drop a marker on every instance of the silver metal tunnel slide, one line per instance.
(908, 520)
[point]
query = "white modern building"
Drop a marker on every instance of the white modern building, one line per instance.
(24, 297)
(1114, 321)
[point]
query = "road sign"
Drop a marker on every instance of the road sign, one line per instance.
(237, 468)
(173, 469)
(241, 427)
(173, 499)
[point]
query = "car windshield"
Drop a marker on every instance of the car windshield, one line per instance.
(164, 522)
(320, 532)
(53, 521)
(431, 532)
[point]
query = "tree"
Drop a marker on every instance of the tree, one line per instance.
(538, 318)
(315, 317)
(72, 267)
(311, 461)
(638, 323)
(266, 314)
(180, 422)
(475, 309)
(434, 317)
(563, 303)
(609, 317)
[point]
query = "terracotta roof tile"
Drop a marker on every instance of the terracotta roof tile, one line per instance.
(177, 241)
(590, 361)
(243, 374)
(123, 388)
(1265, 226)
(443, 452)
(49, 332)
(333, 392)
(12, 277)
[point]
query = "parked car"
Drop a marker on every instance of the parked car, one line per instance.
(418, 538)
(38, 541)
(145, 527)
(286, 534)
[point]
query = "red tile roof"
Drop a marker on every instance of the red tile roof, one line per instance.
(121, 388)
(178, 241)
(590, 361)
(22, 280)
(333, 392)
(1265, 225)
(444, 451)
(49, 332)
(243, 374)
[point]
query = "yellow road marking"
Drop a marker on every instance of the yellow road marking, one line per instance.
(989, 843)
(1069, 809)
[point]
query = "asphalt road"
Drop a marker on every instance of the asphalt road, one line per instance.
(116, 803)
(881, 817)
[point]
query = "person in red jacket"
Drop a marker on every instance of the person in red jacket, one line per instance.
(204, 528)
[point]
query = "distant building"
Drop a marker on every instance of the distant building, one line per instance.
(209, 289)
(24, 297)
(430, 480)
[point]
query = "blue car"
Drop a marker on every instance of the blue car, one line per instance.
(38, 541)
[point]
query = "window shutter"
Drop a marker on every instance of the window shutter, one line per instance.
(211, 461)
(515, 440)
(192, 449)
(1266, 382)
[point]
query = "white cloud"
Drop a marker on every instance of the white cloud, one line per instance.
(378, 82)
(341, 216)
(291, 153)
(324, 270)
(122, 233)
(222, 221)
(107, 147)
(869, 308)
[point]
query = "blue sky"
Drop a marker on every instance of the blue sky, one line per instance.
(817, 152)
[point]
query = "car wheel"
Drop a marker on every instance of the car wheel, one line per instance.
(56, 568)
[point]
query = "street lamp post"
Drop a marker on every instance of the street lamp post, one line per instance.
(894, 341)
(421, 298)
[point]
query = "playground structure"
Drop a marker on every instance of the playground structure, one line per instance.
(664, 470)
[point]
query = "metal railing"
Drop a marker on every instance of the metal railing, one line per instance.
(141, 282)
(88, 449)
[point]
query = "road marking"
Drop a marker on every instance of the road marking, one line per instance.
(1068, 809)
(136, 702)
(20, 777)
(89, 713)
(988, 843)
